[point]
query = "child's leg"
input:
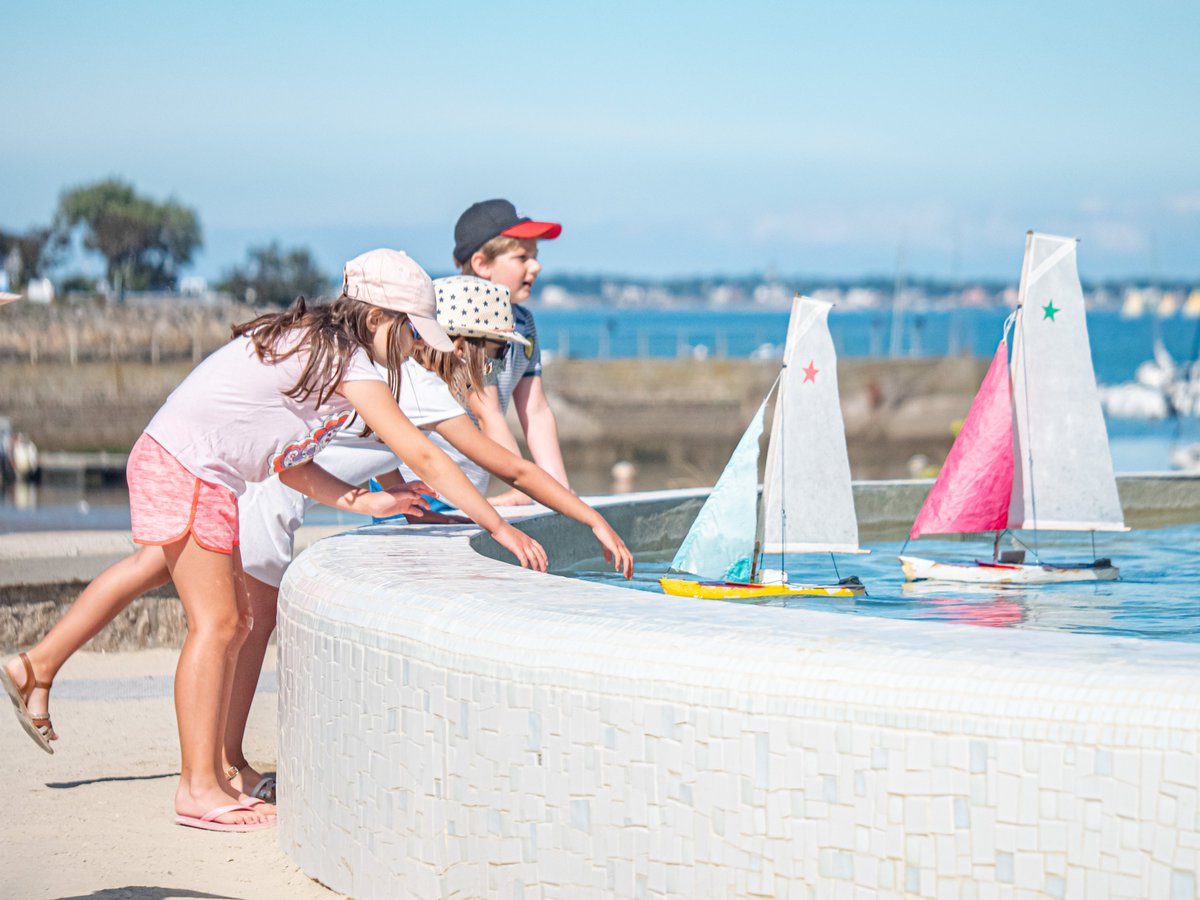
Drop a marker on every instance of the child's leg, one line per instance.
(111, 591)
(261, 599)
(205, 582)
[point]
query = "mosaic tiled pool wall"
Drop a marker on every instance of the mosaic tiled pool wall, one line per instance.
(455, 726)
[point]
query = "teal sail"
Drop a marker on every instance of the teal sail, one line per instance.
(723, 533)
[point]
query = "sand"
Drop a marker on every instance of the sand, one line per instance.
(95, 820)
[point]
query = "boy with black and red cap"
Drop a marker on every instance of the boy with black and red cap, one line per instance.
(492, 241)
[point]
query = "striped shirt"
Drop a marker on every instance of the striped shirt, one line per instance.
(519, 362)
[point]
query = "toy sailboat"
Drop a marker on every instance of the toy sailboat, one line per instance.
(807, 503)
(1033, 451)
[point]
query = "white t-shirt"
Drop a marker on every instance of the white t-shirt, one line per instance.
(426, 400)
(270, 512)
(229, 422)
(430, 402)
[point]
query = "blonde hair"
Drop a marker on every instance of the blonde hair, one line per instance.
(497, 246)
(462, 373)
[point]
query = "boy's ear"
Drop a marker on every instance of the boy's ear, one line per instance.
(481, 265)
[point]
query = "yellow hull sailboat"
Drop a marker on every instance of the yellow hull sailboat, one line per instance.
(807, 500)
(734, 590)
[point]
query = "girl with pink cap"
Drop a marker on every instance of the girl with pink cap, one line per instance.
(262, 405)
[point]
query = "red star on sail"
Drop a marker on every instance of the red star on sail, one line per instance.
(810, 372)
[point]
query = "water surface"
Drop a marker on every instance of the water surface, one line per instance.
(1158, 596)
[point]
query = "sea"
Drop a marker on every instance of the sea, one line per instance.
(1119, 344)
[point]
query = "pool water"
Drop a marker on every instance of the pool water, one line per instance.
(1157, 597)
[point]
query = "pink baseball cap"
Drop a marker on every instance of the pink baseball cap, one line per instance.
(391, 279)
(6, 297)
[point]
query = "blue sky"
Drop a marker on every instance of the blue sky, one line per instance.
(669, 138)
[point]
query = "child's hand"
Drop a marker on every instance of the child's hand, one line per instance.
(510, 498)
(529, 553)
(407, 499)
(429, 517)
(615, 550)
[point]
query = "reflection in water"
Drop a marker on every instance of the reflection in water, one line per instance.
(25, 495)
(996, 611)
(1157, 596)
(977, 605)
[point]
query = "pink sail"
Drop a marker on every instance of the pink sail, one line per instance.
(973, 490)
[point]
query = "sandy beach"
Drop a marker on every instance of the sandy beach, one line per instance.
(95, 820)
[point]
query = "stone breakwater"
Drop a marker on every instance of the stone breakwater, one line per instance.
(687, 415)
(677, 420)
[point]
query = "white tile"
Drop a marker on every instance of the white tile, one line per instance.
(515, 717)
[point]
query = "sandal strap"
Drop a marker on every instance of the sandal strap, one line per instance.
(231, 772)
(212, 814)
(43, 726)
(30, 678)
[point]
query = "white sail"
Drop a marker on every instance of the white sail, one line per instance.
(1063, 475)
(808, 504)
(723, 532)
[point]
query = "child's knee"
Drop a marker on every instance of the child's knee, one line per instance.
(225, 626)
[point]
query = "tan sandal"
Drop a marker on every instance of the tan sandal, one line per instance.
(263, 792)
(36, 726)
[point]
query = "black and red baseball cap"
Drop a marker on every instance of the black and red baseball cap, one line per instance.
(491, 218)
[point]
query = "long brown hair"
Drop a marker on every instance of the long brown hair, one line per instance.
(329, 333)
(462, 373)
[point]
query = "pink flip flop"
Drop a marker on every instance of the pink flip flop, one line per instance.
(252, 801)
(207, 823)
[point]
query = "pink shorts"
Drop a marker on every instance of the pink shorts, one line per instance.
(166, 502)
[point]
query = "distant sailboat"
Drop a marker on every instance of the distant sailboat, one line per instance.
(807, 504)
(1033, 451)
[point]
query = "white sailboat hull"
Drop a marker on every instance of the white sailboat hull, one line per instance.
(918, 569)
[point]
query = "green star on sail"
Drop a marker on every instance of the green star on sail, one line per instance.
(1049, 309)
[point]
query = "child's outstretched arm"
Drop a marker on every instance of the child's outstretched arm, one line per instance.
(541, 428)
(541, 431)
(314, 481)
(485, 406)
(525, 476)
(375, 403)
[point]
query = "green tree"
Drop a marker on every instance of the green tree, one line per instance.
(29, 255)
(143, 242)
(274, 275)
